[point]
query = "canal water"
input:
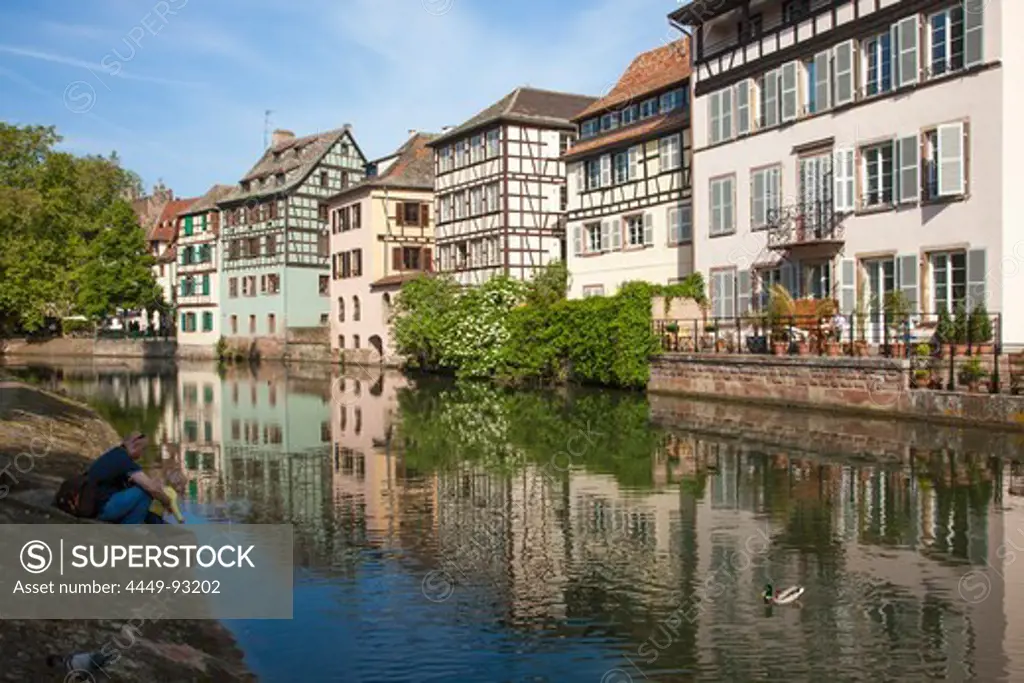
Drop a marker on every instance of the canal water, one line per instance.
(452, 532)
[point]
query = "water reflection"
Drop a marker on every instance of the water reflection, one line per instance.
(561, 536)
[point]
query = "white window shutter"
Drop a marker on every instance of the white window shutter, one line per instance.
(843, 174)
(648, 228)
(616, 234)
(672, 220)
(743, 295)
(716, 208)
(771, 99)
(789, 91)
(714, 118)
(579, 177)
(634, 154)
(822, 81)
(847, 286)
(742, 107)
(685, 223)
(974, 47)
(976, 272)
(844, 86)
(605, 236)
(908, 157)
(664, 154)
(757, 207)
(577, 240)
(773, 196)
(729, 294)
(951, 160)
(909, 63)
(727, 114)
(908, 276)
(606, 170)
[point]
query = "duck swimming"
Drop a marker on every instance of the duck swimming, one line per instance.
(790, 595)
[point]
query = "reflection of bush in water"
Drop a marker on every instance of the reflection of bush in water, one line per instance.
(480, 423)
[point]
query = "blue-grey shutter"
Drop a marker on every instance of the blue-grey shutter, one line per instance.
(907, 272)
(974, 51)
(616, 234)
(847, 286)
(743, 298)
(577, 241)
(976, 266)
(729, 300)
(788, 274)
(648, 228)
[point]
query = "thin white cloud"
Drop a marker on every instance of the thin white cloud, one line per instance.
(86, 32)
(93, 67)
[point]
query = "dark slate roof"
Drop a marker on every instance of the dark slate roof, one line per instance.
(296, 157)
(412, 170)
(525, 105)
(208, 201)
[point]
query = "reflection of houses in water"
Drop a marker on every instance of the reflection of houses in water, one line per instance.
(275, 445)
(366, 467)
(199, 433)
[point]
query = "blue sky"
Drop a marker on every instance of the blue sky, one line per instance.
(179, 87)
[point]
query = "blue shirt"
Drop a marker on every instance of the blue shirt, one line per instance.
(110, 471)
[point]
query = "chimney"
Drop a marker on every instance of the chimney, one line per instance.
(281, 136)
(445, 129)
(412, 131)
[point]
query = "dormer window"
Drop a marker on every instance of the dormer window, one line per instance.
(589, 128)
(795, 10)
(750, 29)
(245, 186)
(279, 178)
(610, 121)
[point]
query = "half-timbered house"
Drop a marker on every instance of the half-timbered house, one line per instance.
(499, 184)
(198, 260)
(275, 272)
(382, 235)
(629, 179)
(163, 238)
(849, 149)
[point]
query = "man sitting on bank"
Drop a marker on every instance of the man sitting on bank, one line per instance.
(123, 491)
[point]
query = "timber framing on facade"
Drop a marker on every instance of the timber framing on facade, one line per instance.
(500, 188)
(274, 233)
(630, 204)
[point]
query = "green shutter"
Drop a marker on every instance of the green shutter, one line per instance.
(182, 322)
(204, 222)
(206, 284)
(188, 226)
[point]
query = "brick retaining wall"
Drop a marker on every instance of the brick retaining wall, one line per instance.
(112, 348)
(875, 385)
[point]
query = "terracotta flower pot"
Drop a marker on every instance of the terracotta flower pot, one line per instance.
(832, 348)
(780, 348)
(860, 348)
(802, 348)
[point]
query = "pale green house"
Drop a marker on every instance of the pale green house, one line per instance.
(275, 272)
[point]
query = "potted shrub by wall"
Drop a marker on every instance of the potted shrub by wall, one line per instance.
(780, 313)
(961, 325)
(945, 332)
(897, 317)
(971, 374)
(979, 326)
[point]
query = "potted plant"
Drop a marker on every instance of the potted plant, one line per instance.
(979, 327)
(858, 337)
(945, 331)
(971, 374)
(960, 328)
(897, 317)
(922, 362)
(780, 313)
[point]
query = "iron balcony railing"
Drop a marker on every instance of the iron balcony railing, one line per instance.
(805, 223)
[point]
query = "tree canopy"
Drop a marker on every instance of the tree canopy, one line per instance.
(72, 244)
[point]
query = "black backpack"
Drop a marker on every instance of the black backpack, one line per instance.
(78, 496)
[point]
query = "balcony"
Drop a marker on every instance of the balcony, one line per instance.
(807, 224)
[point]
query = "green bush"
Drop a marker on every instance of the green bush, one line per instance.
(945, 330)
(76, 326)
(960, 324)
(980, 325)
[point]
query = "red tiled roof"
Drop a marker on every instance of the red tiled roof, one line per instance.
(644, 129)
(650, 71)
(399, 279)
(166, 228)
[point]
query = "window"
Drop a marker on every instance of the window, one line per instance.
(610, 121)
(460, 204)
(271, 324)
(252, 324)
(750, 29)
(669, 150)
(355, 316)
(621, 167)
(764, 280)
(679, 225)
(949, 280)
(795, 10)
(461, 153)
(817, 87)
(593, 245)
(631, 114)
(563, 143)
(234, 324)
(764, 196)
(341, 311)
(491, 198)
(492, 143)
(445, 159)
(593, 173)
(273, 283)
(673, 99)
(817, 280)
(410, 258)
(322, 212)
(410, 213)
(946, 173)
(816, 186)
(324, 285)
(723, 293)
(635, 231)
(878, 64)
(722, 214)
(271, 245)
(476, 147)
(593, 290)
(233, 287)
(589, 128)
(878, 175)
(649, 108)
(768, 99)
(355, 343)
(720, 116)
(476, 200)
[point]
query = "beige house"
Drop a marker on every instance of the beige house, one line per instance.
(382, 235)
